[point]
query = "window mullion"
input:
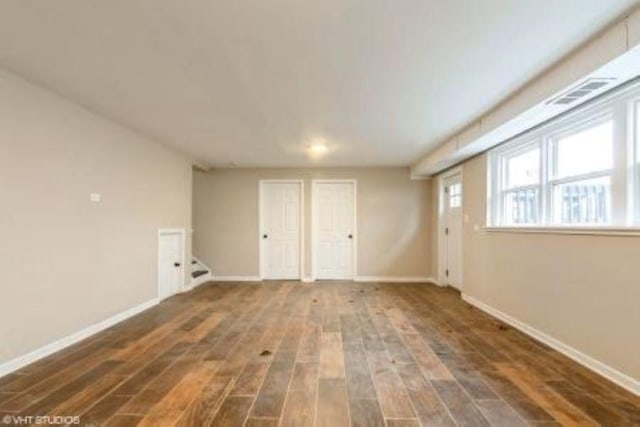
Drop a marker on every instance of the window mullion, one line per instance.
(541, 184)
(545, 186)
(632, 165)
(636, 193)
(620, 175)
(635, 158)
(500, 189)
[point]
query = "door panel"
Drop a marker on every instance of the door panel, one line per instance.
(170, 264)
(453, 230)
(281, 211)
(334, 205)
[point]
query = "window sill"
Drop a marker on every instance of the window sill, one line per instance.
(588, 231)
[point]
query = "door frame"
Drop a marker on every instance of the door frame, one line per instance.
(314, 216)
(181, 284)
(442, 247)
(261, 198)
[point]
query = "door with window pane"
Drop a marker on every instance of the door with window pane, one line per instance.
(453, 230)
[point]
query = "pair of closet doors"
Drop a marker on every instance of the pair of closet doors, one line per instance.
(332, 222)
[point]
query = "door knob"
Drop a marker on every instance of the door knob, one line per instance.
(351, 236)
(264, 236)
(176, 264)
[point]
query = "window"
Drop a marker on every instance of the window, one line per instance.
(583, 202)
(573, 171)
(521, 186)
(455, 195)
(581, 179)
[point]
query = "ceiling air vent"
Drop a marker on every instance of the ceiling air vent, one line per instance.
(582, 90)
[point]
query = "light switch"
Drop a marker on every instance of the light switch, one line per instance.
(476, 227)
(95, 197)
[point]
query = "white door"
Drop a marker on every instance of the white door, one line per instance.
(281, 230)
(334, 229)
(170, 263)
(453, 230)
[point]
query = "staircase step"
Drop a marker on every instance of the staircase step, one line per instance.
(199, 273)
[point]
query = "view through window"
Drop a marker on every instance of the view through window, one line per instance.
(575, 171)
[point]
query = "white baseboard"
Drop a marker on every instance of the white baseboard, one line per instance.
(236, 278)
(42, 352)
(612, 374)
(200, 280)
(437, 282)
(252, 279)
(380, 279)
(392, 279)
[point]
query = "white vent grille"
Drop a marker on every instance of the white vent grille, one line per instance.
(582, 90)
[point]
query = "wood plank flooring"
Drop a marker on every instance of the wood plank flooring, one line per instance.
(324, 354)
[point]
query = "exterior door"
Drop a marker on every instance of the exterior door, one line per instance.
(281, 230)
(453, 230)
(334, 229)
(170, 263)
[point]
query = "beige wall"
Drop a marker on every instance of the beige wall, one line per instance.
(581, 290)
(67, 263)
(393, 219)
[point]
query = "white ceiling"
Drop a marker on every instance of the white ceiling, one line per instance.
(252, 82)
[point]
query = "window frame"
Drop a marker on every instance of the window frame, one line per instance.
(633, 134)
(622, 107)
(588, 121)
(451, 196)
(501, 185)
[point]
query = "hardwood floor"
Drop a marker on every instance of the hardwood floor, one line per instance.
(323, 354)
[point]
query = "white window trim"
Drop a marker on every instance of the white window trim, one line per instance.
(587, 231)
(621, 106)
(510, 151)
(633, 162)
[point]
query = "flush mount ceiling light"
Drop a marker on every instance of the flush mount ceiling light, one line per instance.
(318, 147)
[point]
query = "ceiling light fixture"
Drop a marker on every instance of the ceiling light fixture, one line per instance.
(318, 147)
